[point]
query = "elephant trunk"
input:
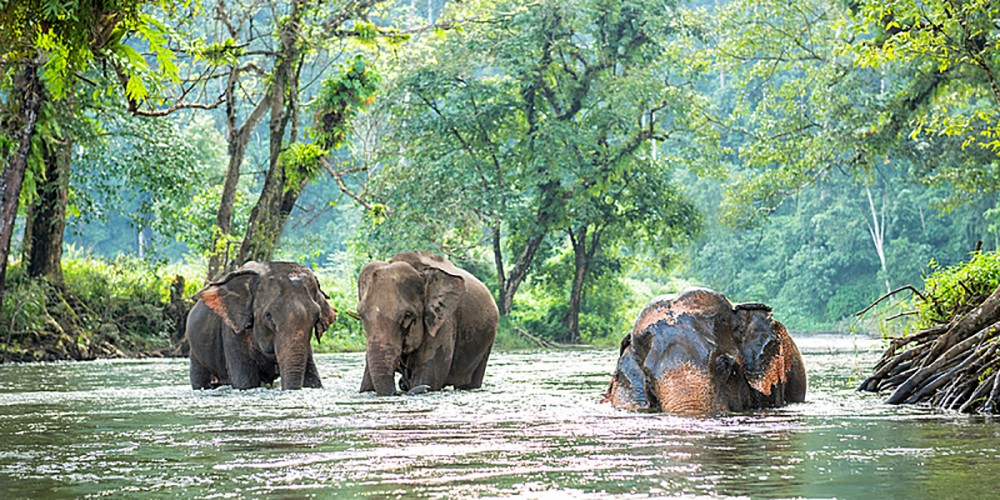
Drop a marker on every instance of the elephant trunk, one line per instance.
(381, 362)
(292, 360)
(687, 389)
(292, 380)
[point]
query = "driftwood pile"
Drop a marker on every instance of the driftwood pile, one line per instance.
(955, 365)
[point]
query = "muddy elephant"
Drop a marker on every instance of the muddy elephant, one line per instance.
(696, 353)
(426, 319)
(255, 324)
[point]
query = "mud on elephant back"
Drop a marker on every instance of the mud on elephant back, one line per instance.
(696, 353)
(256, 324)
(426, 319)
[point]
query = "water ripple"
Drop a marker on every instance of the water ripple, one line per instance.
(536, 429)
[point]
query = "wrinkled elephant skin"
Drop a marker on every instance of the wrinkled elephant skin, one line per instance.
(426, 319)
(696, 353)
(255, 325)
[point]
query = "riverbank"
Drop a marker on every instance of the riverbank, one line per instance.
(96, 309)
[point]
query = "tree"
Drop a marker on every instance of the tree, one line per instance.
(46, 213)
(143, 178)
(282, 186)
(953, 44)
(528, 125)
(48, 43)
(237, 134)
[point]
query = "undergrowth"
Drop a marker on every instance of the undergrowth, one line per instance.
(102, 308)
(953, 290)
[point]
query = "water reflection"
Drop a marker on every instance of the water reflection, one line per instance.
(535, 429)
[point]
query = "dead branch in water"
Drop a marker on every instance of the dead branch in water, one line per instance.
(540, 342)
(954, 365)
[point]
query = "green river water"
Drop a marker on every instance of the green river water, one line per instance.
(537, 429)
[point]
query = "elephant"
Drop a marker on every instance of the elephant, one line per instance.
(696, 353)
(256, 324)
(426, 319)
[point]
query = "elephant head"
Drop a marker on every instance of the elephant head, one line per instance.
(281, 305)
(402, 304)
(696, 353)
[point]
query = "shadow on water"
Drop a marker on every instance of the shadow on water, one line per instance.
(536, 429)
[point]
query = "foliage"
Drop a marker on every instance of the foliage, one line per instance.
(813, 260)
(152, 170)
(339, 280)
(956, 38)
(340, 98)
(608, 309)
(517, 133)
(104, 303)
(538, 127)
(301, 163)
(71, 35)
(810, 89)
(784, 104)
(952, 290)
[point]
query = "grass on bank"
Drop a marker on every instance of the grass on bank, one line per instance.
(109, 307)
(104, 307)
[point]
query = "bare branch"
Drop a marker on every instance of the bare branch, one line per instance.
(338, 176)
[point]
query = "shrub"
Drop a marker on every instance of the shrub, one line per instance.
(954, 290)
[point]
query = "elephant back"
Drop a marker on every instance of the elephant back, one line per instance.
(700, 303)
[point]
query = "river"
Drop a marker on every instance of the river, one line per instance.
(536, 429)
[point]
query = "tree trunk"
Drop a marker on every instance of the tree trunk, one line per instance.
(583, 255)
(46, 217)
(581, 262)
(238, 138)
(498, 262)
(519, 271)
(267, 219)
(29, 90)
(546, 213)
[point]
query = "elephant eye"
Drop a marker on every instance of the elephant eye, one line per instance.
(407, 320)
(269, 319)
(726, 367)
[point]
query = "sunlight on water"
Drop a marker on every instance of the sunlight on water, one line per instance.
(537, 429)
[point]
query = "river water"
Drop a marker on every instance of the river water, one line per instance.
(536, 429)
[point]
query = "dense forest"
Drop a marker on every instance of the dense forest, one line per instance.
(579, 156)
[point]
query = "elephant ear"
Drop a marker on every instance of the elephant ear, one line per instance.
(421, 261)
(442, 293)
(768, 351)
(327, 313)
(231, 298)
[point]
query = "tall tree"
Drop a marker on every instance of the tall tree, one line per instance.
(528, 122)
(48, 43)
(285, 181)
(46, 213)
(237, 134)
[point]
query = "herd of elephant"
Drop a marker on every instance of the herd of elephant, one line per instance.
(434, 324)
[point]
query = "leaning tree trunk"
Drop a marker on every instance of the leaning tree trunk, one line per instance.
(238, 138)
(267, 219)
(46, 216)
(583, 254)
(29, 90)
(551, 201)
(953, 366)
